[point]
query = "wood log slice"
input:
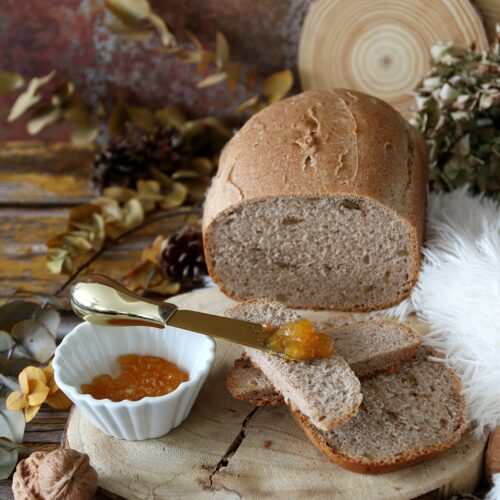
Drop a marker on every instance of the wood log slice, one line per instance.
(227, 449)
(381, 47)
(490, 12)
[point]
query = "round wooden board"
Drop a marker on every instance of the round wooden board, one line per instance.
(219, 450)
(381, 47)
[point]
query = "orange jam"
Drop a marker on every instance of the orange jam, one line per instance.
(301, 341)
(141, 376)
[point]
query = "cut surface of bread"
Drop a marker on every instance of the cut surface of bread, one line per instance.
(319, 203)
(406, 418)
(325, 390)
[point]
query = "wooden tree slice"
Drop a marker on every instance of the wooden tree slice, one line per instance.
(220, 452)
(490, 10)
(381, 47)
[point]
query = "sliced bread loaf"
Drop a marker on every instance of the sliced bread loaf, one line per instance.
(406, 418)
(319, 202)
(325, 390)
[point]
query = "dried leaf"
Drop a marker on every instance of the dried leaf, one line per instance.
(117, 122)
(59, 262)
(9, 82)
(175, 197)
(11, 423)
(30, 97)
(50, 319)
(43, 117)
(153, 251)
(38, 392)
(98, 234)
(138, 278)
(16, 401)
(133, 214)
(16, 311)
(62, 92)
(76, 244)
(141, 117)
(277, 85)
(248, 104)
(221, 51)
(81, 135)
(30, 412)
(59, 401)
(6, 341)
(233, 76)
(170, 116)
(119, 194)
(110, 208)
(202, 57)
(251, 76)
(211, 80)
(200, 125)
(130, 12)
(202, 165)
(166, 36)
(131, 32)
(35, 339)
(83, 214)
(165, 288)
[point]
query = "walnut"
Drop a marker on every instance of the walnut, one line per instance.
(60, 474)
(492, 457)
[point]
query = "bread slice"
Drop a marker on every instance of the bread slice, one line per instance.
(368, 347)
(406, 418)
(319, 203)
(325, 390)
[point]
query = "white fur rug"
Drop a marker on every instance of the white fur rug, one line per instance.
(458, 293)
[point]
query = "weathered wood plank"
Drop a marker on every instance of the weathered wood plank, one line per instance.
(40, 173)
(22, 248)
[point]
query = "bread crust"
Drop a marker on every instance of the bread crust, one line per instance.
(373, 163)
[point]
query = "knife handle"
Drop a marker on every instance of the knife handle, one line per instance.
(99, 299)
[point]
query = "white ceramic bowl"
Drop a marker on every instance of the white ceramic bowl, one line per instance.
(90, 350)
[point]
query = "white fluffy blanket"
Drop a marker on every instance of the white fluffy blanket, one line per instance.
(458, 293)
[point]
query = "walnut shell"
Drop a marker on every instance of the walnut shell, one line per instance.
(492, 457)
(25, 481)
(66, 474)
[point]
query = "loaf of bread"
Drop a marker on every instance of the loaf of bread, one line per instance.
(407, 417)
(319, 202)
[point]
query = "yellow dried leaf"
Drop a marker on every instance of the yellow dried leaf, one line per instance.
(35, 373)
(141, 117)
(138, 278)
(248, 104)
(98, 234)
(10, 81)
(38, 392)
(131, 32)
(77, 244)
(175, 197)
(277, 85)
(153, 251)
(211, 80)
(149, 189)
(130, 12)
(133, 213)
(16, 401)
(82, 214)
(29, 97)
(30, 412)
(110, 208)
(43, 117)
(221, 51)
(49, 374)
(170, 116)
(165, 288)
(202, 165)
(59, 401)
(166, 36)
(84, 135)
(117, 121)
(24, 382)
(119, 194)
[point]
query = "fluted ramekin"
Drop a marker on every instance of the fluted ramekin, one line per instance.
(90, 350)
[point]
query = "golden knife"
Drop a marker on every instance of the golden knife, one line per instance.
(101, 300)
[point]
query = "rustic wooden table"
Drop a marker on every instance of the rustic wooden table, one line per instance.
(39, 184)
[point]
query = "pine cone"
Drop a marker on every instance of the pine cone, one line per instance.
(124, 162)
(182, 257)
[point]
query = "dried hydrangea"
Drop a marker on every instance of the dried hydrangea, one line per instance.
(458, 111)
